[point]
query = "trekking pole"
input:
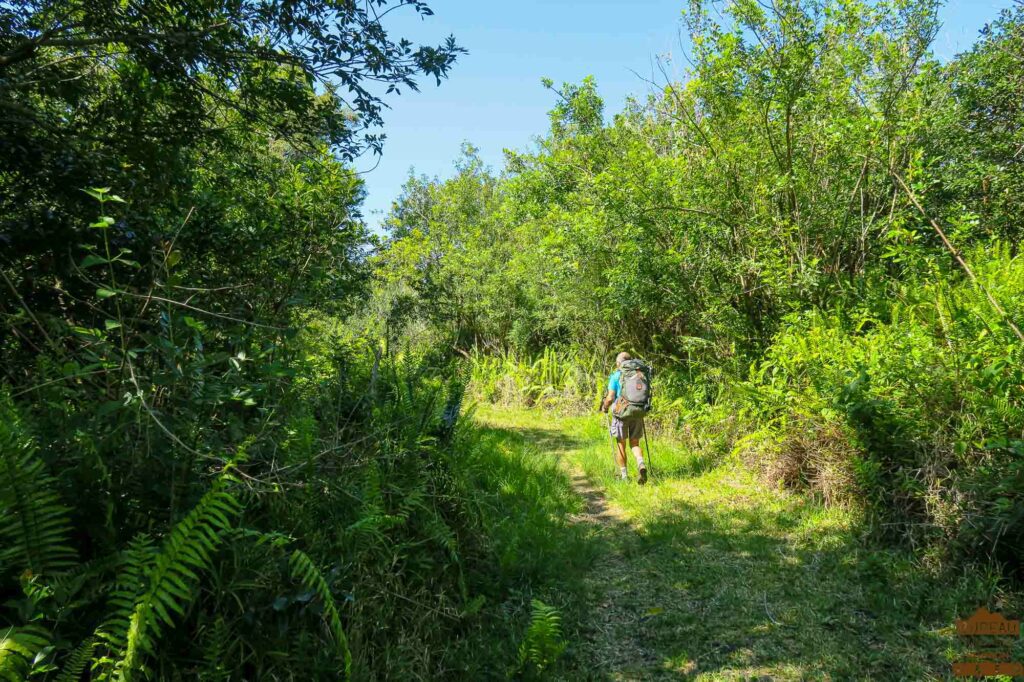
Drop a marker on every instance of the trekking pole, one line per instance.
(611, 439)
(650, 464)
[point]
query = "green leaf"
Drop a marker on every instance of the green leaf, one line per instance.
(112, 324)
(103, 223)
(97, 192)
(87, 331)
(91, 260)
(105, 293)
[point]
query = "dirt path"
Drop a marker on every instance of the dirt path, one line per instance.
(613, 633)
(706, 575)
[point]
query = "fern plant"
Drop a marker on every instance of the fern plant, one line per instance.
(34, 531)
(305, 571)
(77, 661)
(34, 527)
(21, 650)
(543, 644)
(154, 588)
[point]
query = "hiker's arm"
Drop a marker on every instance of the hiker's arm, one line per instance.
(608, 400)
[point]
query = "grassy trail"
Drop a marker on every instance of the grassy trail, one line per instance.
(705, 574)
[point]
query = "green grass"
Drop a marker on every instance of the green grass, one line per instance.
(706, 574)
(528, 507)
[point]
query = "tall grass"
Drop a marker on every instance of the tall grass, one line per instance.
(567, 381)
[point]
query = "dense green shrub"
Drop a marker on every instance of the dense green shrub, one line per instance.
(211, 468)
(927, 392)
(354, 527)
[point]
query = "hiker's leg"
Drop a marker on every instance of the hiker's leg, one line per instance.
(638, 453)
(615, 429)
(620, 458)
(636, 432)
(620, 451)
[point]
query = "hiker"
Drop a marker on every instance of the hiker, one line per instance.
(630, 425)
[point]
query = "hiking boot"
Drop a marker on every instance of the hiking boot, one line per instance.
(643, 476)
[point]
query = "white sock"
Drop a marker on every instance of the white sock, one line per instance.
(640, 463)
(623, 473)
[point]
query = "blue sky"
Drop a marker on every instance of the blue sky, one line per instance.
(494, 98)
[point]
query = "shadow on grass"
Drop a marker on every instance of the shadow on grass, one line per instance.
(731, 587)
(728, 595)
(547, 441)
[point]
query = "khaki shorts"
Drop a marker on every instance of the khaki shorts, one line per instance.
(631, 427)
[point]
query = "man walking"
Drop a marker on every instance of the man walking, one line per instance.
(628, 428)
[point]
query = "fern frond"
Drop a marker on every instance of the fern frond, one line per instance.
(154, 588)
(216, 646)
(305, 571)
(34, 526)
(18, 650)
(440, 532)
(75, 664)
(186, 551)
(129, 585)
(130, 581)
(373, 516)
(543, 644)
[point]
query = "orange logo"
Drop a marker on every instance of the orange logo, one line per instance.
(991, 633)
(984, 622)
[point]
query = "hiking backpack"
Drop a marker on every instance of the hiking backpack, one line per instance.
(635, 393)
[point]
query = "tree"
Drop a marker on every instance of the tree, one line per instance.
(262, 59)
(170, 105)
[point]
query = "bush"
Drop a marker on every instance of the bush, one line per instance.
(307, 562)
(915, 410)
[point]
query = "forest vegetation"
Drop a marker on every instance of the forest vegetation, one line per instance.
(814, 238)
(236, 427)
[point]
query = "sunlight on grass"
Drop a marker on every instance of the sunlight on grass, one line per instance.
(713, 575)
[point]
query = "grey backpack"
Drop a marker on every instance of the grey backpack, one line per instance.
(635, 394)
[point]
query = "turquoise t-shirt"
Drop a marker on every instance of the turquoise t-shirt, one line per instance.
(614, 384)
